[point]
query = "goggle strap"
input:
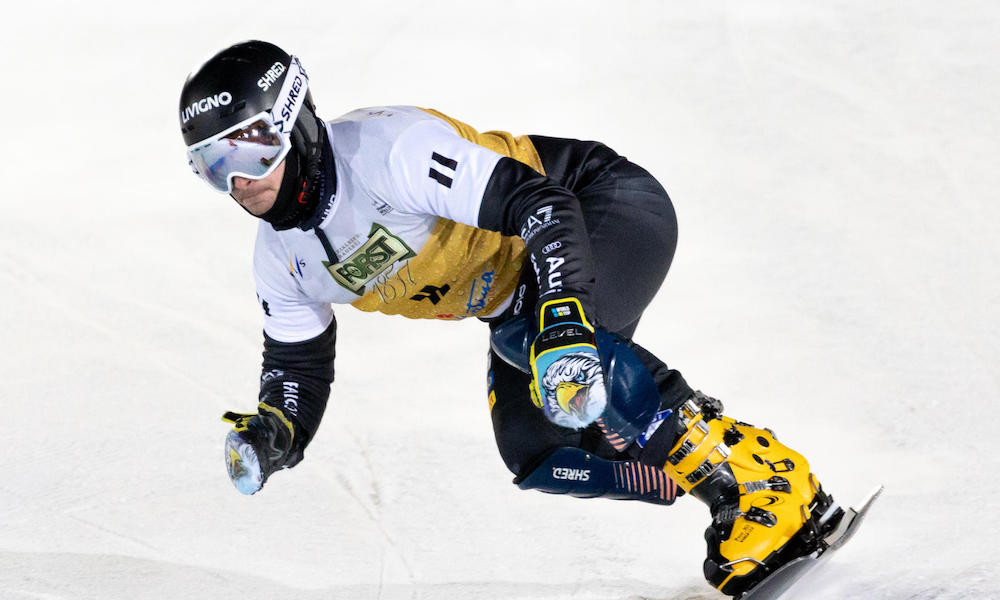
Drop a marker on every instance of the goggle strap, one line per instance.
(291, 97)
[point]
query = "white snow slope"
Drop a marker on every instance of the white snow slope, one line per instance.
(834, 169)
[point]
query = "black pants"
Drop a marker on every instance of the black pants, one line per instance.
(632, 229)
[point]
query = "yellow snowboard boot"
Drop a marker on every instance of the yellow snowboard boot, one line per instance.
(767, 508)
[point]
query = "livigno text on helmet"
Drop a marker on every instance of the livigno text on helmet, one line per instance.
(206, 104)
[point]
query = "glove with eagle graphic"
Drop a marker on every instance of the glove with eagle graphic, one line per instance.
(567, 379)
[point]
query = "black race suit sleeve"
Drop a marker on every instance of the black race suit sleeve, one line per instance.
(296, 378)
(520, 201)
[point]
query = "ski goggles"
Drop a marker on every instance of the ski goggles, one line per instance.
(256, 146)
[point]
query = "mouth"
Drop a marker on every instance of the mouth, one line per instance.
(249, 200)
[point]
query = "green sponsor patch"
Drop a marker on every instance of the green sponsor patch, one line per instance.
(376, 256)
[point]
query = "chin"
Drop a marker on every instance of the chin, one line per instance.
(261, 208)
(259, 203)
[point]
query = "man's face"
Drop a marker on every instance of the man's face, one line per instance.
(258, 195)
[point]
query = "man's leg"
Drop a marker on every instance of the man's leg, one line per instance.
(633, 233)
(554, 459)
(767, 508)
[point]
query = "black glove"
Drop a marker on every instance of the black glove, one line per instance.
(259, 445)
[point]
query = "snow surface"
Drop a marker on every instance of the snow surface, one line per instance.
(834, 169)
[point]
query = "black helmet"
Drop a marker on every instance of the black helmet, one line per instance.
(239, 82)
(254, 97)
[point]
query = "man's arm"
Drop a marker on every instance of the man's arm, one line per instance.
(295, 378)
(297, 370)
(434, 171)
(520, 201)
(567, 374)
(294, 389)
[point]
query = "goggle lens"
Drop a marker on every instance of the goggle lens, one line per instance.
(252, 151)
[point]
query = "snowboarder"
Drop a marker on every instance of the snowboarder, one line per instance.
(557, 244)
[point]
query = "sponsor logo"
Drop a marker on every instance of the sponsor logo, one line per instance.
(538, 221)
(766, 501)
(432, 293)
(571, 331)
(481, 287)
(382, 208)
(374, 257)
(327, 208)
(555, 276)
(206, 104)
(570, 474)
(290, 392)
(289, 102)
(293, 98)
(550, 247)
(744, 533)
(295, 264)
(561, 311)
(270, 76)
(519, 302)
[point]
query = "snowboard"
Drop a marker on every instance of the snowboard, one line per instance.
(797, 571)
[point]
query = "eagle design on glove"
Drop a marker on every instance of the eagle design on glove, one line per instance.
(573, 390)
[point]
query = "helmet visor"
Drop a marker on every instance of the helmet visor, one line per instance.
(252, 149)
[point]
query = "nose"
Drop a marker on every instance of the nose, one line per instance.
(241, 183)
